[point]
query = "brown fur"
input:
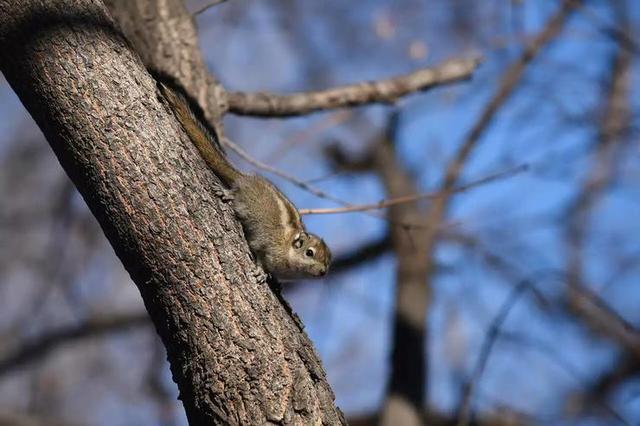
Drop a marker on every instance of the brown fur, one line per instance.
(272, 225)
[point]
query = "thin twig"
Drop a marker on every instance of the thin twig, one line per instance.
(508, 83)
(327, 176)
(555, 356)
(487, 345)
(581, 300)
(328, 122)
(294, 180)
(619, 35)
(305, 186)
(510, 80)
(348, 207)
(415, 197)
(387, 91)
(208, 6)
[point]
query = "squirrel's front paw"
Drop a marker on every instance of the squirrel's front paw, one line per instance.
(224, 194)
(260, 275)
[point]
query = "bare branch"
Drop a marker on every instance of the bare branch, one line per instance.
(622, 36)
(616, 119)
(368, 251)
(415, 197)
(554, 355)
(622, 369)
(208, 6)
(322, 126)
(487, 345)
(508, 83)
(270, 169)
(594, 312)
(406, 389)
(42, 346)
(304, 185)
(265, 104)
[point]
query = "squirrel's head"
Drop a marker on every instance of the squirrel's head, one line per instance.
(310, 256)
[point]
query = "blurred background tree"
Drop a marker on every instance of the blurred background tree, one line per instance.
(512, 302)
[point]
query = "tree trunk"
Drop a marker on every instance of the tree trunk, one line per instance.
(407, 387)
(236, 351)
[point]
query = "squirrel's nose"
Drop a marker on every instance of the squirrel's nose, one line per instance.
(322, 271)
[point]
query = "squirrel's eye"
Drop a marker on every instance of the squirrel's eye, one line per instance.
(309, 252)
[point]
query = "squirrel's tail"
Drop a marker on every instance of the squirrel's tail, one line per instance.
(204, 139)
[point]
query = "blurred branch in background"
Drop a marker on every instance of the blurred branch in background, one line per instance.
(584, 302)
(464, 416)
(40, 347)
(621, 34)
(407, 385)
(623, 369)
(406, 389)
(24, 419)
(568, 352)
(406, 392)
(362, 254)
(508, 82)
(383, 204)
(554, 353)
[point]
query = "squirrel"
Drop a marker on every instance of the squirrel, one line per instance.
(272, 224)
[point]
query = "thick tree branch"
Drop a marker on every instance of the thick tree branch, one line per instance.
(382, 91)
(164, 35)
(407, 387)
(235, 350)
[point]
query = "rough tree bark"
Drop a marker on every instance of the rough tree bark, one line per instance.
(163, 33)
(236, 351)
